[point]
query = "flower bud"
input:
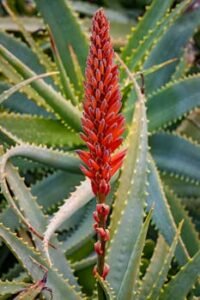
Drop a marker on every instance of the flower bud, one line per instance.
(95, 216)
(97, 248)
(103, 233)
(103, 209)
(106, 270)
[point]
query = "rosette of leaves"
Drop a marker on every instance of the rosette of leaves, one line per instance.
(39, 130)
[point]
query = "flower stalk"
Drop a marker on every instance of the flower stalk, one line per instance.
(103, 126)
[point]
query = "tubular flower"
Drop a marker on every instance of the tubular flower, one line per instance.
(103, 127)
(102, 123)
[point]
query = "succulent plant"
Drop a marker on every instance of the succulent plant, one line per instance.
(40, 121)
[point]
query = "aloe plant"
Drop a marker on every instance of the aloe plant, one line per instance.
(40, 120)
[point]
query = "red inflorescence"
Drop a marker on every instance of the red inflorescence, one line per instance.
(102, 123)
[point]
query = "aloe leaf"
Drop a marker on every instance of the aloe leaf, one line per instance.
(78, 199)
(67, 86)
(128, 285)
(188, 233)
(138, 54)
(183, 65)
(175, 38)
(39, 130)
(60, 287)
(9, 218)
(11, 287)
(62, 22)
(155, 291)
(177, 99)
(8, 138)
(43, 58)
(8, 196)
(82, 233)
(181, 284)
(49, 198)
(78, 71)
(16, 271)
(181, 186)
(80, 225)
(20, 103)
(52, 158)
(85, 262)
(181, 158)
(23, 53)
(108, 291)
(162, 216)
(128, 209)
(147, 23)
(156, 263)
(6, 94)
(190, 126)
(61, 106)
(14, 77)
(32, 24)
(129, 95)
(37, 220)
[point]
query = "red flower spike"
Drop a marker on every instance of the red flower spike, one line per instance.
(102, 105)
(103, 127)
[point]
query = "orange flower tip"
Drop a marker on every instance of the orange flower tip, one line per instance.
(82, 153)
(116, 167)
(116, 144)
(104, 187)
(83, 137)
(106, 155)
(115, 107)
(94, 187)
(86, 172)
(118, 157)
(98, 150)
(87, 123)
(91, 146)
(102, 124)
(108, 139)
(93, 164)
(84, 156)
